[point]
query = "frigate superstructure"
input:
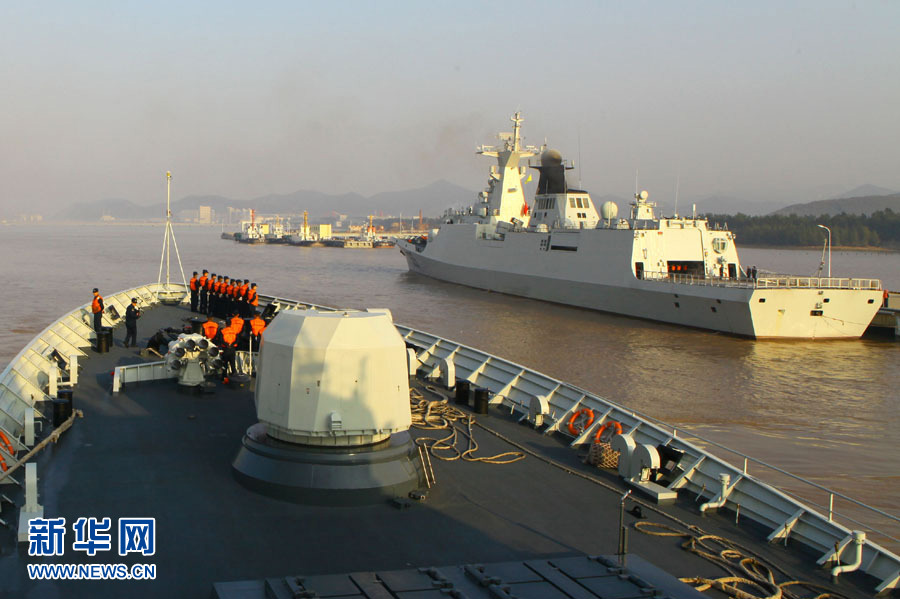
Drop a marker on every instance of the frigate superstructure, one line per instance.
(680, 270)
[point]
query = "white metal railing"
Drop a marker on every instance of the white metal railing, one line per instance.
(23, 380)
(516, 387)
(786, 514)
(766, 282)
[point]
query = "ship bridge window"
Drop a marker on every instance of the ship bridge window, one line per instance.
(587, 203)
(571, 202)
(719, 244)
(578, 203)
(546, 204)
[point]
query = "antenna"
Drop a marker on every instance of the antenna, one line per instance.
(677, 182)
(580, 184)
(169, 295)
(635, 182)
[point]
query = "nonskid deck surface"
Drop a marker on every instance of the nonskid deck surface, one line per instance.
(151, 451)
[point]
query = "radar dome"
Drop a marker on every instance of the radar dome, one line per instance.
(609, 210)
(551, 158)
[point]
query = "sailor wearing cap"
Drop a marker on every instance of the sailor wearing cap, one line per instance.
(97, 309)
(195, 292)
(132, 313)
(204, 291)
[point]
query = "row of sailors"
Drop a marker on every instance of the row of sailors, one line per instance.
(236, 333)
(220, 295)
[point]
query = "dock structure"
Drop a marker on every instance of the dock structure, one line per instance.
(888, 316)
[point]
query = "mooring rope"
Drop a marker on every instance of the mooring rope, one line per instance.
(438, 414)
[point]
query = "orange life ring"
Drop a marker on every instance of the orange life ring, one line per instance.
(3, 464)
(576, 415)
(602, 429)
(6, 442)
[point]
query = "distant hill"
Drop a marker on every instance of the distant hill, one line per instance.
(865, 191)
(853, 205)
(432, 199)
(115, 207)
(731, 205)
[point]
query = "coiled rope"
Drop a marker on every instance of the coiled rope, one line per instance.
(433, 415)
(745, 567)
(747, 571)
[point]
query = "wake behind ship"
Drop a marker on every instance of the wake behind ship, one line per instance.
(676, 269)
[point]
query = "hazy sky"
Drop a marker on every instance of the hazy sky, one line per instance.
(753, 99)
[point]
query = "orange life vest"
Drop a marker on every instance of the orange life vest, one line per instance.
(257, 325)
(210, 328)
(202, 282)
(253, 297)
(193, 283)
(95, 305)
(237, 323)
(243, 290)
(229, 336)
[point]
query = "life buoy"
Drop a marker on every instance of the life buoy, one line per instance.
(5, 440)
(605, 427)
(3, 465)
(576, 416)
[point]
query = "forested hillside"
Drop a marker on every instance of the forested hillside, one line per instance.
(879, 230)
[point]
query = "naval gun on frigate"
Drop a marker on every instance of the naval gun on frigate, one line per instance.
(332, 399)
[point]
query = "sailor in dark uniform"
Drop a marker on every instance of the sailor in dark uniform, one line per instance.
(195, 292)
(132, 313)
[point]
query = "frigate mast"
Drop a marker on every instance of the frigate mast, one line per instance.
(164, 292)
(504, 199)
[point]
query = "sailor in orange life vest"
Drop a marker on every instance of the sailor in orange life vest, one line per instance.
(252, 299)
(257, 326)
(195, 297)
(97, 310)
(210, 328)
(201, 285)
(227, 342)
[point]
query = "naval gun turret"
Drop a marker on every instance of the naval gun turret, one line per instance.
(332, 399)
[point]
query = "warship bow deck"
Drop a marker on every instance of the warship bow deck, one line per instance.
(150, 451)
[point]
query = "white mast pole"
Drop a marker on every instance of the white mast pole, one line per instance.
(168, 221)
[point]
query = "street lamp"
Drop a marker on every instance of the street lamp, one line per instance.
(829, 247)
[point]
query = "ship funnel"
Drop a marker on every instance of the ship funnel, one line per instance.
(553, 173)
(332, 399)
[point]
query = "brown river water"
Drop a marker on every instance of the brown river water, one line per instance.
(824, 410)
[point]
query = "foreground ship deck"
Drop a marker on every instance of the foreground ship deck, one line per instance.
(150, 451)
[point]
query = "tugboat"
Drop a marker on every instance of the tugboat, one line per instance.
(678, 270)
(250, 231)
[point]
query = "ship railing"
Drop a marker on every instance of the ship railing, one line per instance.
(808, 512)
(791, 281)
(766, 282)
(25, 381)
